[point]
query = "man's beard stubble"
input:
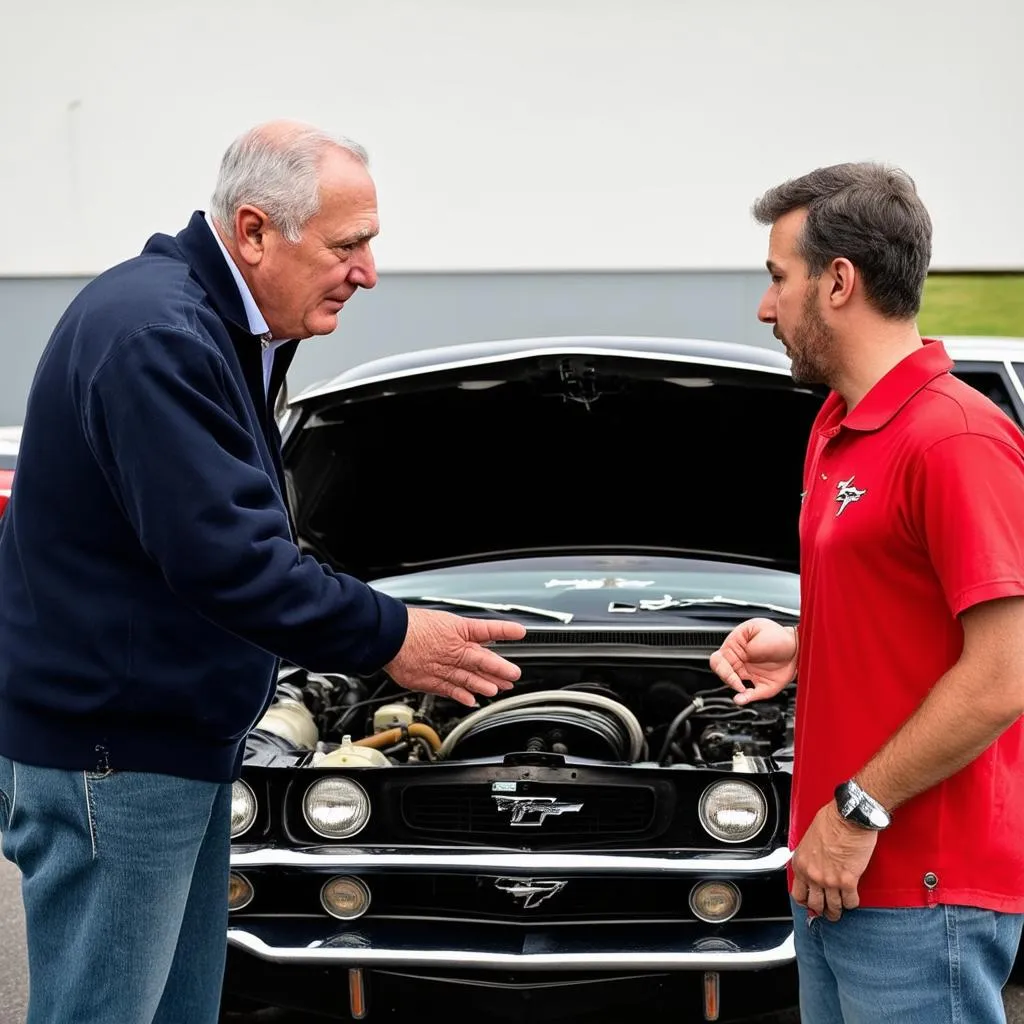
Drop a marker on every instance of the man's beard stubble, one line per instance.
(811, 345)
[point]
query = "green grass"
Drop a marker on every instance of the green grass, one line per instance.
(973, 304)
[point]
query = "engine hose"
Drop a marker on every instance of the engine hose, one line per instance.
(625, 716)
(673, 728)
(389, 736)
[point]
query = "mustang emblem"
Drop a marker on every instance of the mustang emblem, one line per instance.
(847, 493)
(534, 890)
(542, 806)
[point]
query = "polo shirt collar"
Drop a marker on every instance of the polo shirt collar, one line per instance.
(894, 390)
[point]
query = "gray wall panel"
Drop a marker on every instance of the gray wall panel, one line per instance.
(408, 311)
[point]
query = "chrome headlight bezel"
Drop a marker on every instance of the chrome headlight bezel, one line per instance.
(726, 884)
(359, 795)
(242, 793)
(248, 887)
(359, 884)
(754, 794)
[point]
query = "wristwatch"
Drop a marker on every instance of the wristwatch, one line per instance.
(857, 806)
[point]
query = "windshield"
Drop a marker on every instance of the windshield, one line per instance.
(588, 586)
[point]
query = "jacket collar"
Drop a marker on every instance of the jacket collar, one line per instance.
(204, 256)
(893, 391)
(256, 321)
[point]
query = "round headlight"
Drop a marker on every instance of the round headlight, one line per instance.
(733, 811)
(714, 902)
(336, 808)
(240, 891)
(243, 808)
(345, 897)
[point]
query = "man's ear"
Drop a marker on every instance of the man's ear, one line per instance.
(251, 225)
(842, 277)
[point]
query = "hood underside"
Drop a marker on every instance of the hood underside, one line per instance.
(548, 452)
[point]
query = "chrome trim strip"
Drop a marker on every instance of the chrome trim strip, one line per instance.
(503, 863)
(652, 959)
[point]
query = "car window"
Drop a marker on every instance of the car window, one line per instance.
(992, 383)
(7, 461)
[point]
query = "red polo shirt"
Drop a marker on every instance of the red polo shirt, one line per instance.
(913, 510)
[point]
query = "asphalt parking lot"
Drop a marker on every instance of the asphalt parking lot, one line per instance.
(14, 982)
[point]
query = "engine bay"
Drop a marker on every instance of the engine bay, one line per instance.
(639, 712)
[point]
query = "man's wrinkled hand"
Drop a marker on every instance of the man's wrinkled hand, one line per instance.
(828, 863)
(444, 654)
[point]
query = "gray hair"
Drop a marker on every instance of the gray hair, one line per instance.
(277, 169)
(868, 213)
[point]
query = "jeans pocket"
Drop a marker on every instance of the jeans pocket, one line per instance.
(99, 776)
(90, 779)
(7, 787)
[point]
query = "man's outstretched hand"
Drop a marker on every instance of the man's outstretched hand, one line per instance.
(759, 650)
(443, 654)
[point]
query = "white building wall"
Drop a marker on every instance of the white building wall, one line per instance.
(512, 134)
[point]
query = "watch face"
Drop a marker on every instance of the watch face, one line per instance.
(855, 805)
(877, 817)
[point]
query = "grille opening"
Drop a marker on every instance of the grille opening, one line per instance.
(605, 811)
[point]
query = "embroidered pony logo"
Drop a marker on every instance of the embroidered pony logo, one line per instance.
(847, 494)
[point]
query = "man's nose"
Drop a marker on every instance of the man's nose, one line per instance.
(766, 310)
(364, 272)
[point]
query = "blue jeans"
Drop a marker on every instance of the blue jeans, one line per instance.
(936, 965)
(124, 881)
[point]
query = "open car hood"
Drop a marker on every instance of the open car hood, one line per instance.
(592, 444)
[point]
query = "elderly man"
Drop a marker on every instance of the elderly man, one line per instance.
(149, 582)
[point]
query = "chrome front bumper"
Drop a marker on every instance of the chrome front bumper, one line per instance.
(356, 859)
(752, 947)
(740, 945)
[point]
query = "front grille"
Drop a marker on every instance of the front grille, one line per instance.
(606, 811)
(670, 638)
(520, 899)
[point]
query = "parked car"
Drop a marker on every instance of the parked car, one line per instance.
(10, 439)
(611, 837)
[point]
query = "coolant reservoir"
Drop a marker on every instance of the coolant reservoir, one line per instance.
(392, 716)
(348, 755)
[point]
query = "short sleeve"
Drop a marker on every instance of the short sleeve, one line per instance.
(969, 505)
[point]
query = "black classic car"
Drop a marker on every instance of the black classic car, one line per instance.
(609, 839)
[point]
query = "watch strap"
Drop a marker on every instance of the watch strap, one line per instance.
(855, 805)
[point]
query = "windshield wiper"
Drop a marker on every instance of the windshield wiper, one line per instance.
(491, 606)
(664, 603)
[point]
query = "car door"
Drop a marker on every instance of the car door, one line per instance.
(998, 382)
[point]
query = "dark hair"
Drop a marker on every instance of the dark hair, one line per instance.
(869, 214)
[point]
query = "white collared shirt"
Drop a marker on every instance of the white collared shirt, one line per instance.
(257, 324)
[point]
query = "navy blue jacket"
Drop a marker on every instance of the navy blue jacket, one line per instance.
(149, 581)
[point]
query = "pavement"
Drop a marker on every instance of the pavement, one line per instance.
(14, 970)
